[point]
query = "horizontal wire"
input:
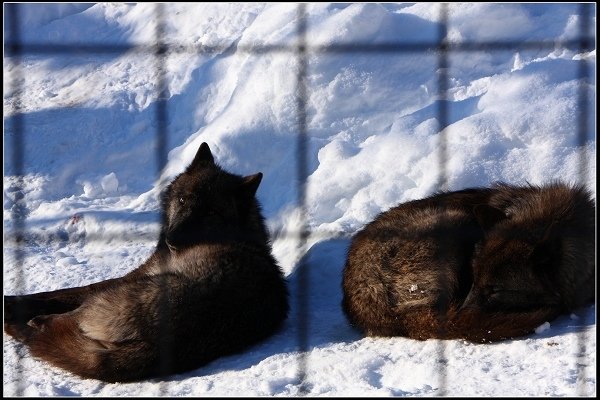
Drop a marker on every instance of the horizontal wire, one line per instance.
(23, 49)
(147, 236)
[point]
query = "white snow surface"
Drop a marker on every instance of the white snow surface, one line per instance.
(91, 181)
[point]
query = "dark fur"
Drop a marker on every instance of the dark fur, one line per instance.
(480, 264)
(210, 288)
(538, 256)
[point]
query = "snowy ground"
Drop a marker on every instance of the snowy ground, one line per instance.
(90, 187)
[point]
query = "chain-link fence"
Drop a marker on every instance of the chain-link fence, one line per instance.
(442, 48)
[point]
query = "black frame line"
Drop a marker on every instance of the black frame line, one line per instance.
(16, 49)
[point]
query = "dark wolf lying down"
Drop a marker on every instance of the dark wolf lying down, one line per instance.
(210, 288)
(481, 264)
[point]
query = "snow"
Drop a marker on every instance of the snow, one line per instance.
(90, 189)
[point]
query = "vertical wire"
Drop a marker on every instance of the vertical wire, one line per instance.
(18, 209)
(301, 179)
(161, 116)
(583, 74)
(161, 103)
(442, 116)
(442, 108)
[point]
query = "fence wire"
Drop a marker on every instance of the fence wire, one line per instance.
(582, 139)
(160, 50)
(442, 118)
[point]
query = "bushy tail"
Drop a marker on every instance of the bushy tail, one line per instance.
(58, 340)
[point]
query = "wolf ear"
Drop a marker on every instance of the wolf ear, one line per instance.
(250, 184)
(203, 156)
(488, 216)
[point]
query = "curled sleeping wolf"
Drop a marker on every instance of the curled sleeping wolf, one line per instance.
(210, 288)
(481, 264)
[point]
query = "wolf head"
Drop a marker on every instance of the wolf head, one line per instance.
(207, 204)
(515, 264)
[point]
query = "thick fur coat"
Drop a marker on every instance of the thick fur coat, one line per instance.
(482, 264)
(210, 288)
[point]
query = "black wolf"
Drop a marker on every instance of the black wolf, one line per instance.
(537, 260)
(210, 288)
(482, 264)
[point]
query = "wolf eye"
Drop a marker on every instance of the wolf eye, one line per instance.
(181, 200)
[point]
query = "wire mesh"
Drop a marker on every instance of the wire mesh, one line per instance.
(161, 50)
(17, 216)
(442, 118)
(582, 140)
(302, 174)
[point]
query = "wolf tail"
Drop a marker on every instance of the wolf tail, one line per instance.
(58, 340)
